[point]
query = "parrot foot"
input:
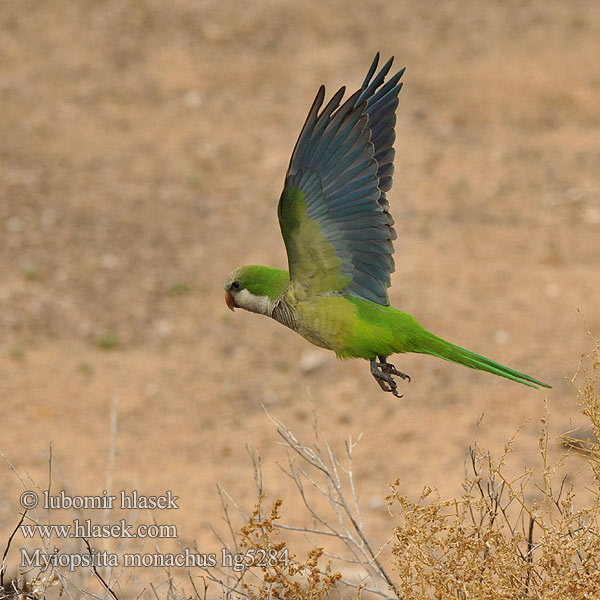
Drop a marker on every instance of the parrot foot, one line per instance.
(383, 372)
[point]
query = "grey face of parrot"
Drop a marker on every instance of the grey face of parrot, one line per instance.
(237, 296)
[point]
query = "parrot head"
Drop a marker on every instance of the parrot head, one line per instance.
(255, 288)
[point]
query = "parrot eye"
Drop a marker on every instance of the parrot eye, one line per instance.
(236, 285)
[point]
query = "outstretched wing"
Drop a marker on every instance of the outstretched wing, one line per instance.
(333, 211)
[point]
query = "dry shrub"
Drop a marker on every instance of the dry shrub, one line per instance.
(530, 535)
(34, 588)
(283, 576)
(496, 542)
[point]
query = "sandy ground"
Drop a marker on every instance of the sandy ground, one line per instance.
(142, 153)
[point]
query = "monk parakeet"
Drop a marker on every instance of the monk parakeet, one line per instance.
(338, 232)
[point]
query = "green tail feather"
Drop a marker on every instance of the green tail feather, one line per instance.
(436, 346)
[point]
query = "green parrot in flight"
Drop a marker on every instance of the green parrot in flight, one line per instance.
(338, 232)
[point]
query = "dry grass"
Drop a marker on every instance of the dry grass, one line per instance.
(497, 543)
(526, 536)
(290, 578)
(533, 534)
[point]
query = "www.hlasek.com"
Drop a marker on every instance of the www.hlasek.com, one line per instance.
(87, 529)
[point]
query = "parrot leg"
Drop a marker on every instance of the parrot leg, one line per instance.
(383, 373)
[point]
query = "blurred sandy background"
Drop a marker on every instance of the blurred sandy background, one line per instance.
(142, 154)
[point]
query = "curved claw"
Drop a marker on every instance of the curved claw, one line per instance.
(383, 373)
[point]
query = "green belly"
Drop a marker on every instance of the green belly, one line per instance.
(354, 328)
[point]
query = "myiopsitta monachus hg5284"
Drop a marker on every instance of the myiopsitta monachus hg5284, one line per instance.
(338, 232)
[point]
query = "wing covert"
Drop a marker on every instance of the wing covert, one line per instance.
(333, 211)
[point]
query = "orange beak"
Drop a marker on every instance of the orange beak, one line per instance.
(230, 301)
